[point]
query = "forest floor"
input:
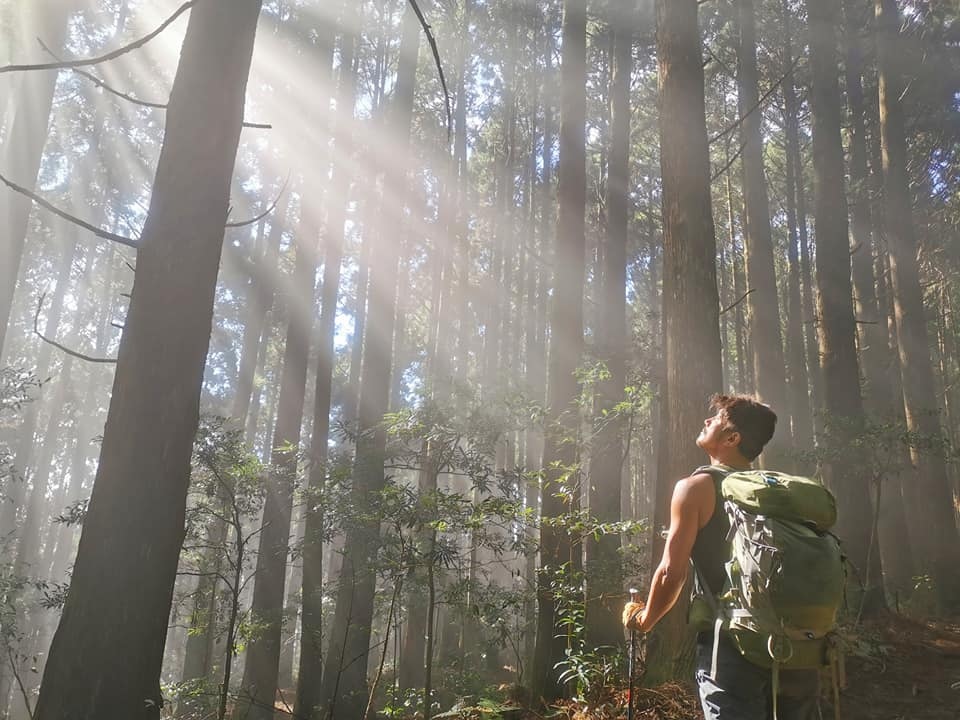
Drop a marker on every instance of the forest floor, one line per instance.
(896, 669)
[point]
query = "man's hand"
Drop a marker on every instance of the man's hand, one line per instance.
(631, 614)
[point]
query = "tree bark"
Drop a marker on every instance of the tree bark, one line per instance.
(263, 652)
(763, 301)
(566, 347)
(603, 563)
(262, 290)
(105, 657)
(929, 506)
(344, 690)
(691, 328)
(797, 369)
(310, 673)
(870, 331)
(846, 473)
(23, 146)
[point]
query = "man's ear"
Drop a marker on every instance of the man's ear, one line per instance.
(733, 439)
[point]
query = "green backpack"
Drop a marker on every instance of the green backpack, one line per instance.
(785, 577)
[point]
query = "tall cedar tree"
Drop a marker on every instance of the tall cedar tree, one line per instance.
(537, 333)
(259, 685)
(344, 688)
(797, 370)
(871, 335)
(311, 616)
(607, 456)
(566, 347)
(846, 473)
(105, 658)
(872, 345)
(23, 147)
(691, 303)
(768, 365)
(21, 154)
(929, 502)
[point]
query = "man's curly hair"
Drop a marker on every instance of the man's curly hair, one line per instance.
(754, 420)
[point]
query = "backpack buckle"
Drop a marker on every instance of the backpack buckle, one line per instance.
(779, 648)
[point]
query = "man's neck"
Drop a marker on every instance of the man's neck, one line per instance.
(737, 463)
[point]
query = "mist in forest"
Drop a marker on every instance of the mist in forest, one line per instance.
(350, 350)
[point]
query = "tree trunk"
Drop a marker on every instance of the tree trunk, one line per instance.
(896, 536)
(105, 657)
(344, 690)
(603, 562)
(263, 652)
(310, 672)
(846, 473)
(24, 143)
(691, 328)
(870, 332)
(762, 303)
(797, 369)
(792, 132)
(537, 339)
(14, 511)
(566, 346)
(262, 289)
(743, 377)
(929, 506)
(198, 656)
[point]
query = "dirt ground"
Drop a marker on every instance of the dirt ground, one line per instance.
(901, 669)
(896, 669)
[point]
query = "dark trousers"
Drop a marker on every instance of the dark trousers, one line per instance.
(741, 690)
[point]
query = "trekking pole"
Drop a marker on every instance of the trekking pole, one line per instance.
(630, 659)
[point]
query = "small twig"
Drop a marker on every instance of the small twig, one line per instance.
(68, 351)
(67, 216)
(436, 58)
(742, 298)
(70, 64)
(261, 216)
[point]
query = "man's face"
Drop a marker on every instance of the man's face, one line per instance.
(716, 434)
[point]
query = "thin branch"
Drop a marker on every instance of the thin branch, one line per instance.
(98, 82)
(67, 216)
(742, 298)
(436, 58)
(23, 690)
(261, 216)
(70, 64)
(739, 121)
(68, 351)
(730, 161)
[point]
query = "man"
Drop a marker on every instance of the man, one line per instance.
(733, 437)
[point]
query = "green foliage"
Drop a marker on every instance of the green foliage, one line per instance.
(404, 703)
(16, 389)
(589, 671)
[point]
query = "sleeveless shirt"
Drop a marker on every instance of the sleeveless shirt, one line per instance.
(711, 550)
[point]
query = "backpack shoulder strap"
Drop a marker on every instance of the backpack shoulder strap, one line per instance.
(717, 471)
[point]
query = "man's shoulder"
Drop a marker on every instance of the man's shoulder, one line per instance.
(695, 486)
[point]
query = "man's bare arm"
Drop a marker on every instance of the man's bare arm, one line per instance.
(691, 504)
